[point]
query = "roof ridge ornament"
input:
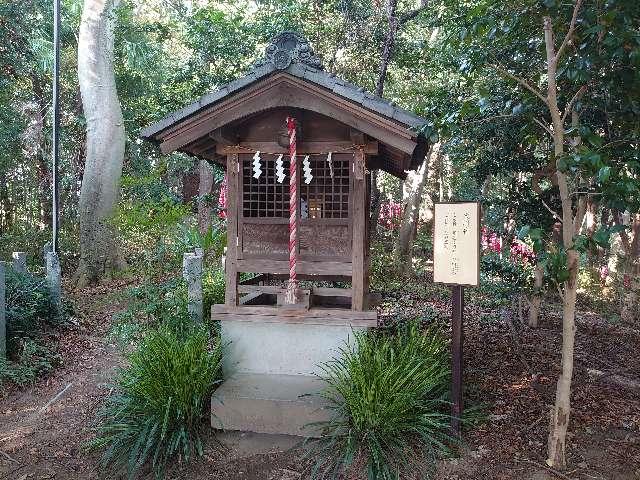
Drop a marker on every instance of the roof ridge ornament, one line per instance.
(288, 47)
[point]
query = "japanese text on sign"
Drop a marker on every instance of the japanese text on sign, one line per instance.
(456, 243)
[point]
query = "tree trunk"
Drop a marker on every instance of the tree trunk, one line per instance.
(536, 297)
(415, 188)
(630, 268)
(204, 194)
(105, 141)
(190, 185)
(591, 225)
(561, 410)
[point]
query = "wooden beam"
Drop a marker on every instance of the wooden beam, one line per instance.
(359, 231)
(265, 310)
(357, 137)
(275, 289)
(271, 289)
(370, 148)
(251, 297)
(303, 268)
(231, 263)
(332, 292)
(222, 137)
(334, 321)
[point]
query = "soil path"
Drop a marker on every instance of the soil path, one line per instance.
(43, 428)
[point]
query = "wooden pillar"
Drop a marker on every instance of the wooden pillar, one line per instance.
(231, 263)
(359, 232)
(457, 340)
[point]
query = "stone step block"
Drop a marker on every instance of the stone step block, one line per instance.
(270, 403)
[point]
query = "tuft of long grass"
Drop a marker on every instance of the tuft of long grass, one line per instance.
(155, 414)
(388, 394)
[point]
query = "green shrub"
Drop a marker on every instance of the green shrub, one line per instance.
(32, 360)
(388, 396)
(155, 416)
(29, 308)
(213, 288)
(150, 304)
(188, 237)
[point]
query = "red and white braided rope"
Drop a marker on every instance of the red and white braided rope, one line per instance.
(292, 287)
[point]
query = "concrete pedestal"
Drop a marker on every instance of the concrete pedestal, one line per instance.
(281, 348)
(270, 370)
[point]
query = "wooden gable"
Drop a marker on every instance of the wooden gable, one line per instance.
(224, 118)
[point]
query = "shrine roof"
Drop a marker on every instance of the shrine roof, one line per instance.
(290, 53)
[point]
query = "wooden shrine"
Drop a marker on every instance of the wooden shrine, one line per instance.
(310, 257)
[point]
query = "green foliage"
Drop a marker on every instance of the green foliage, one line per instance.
(155, 414)
(213, 288)
(212, 242)
(388, 396)
(148, 229)
(156, 302)
(29, 308)
(149, 305)
(503, 278)
(32, 359)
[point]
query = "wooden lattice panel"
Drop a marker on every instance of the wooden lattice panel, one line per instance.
(264, 197)
(327, 196)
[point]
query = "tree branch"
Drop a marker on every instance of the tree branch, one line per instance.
(552, 211)
(411, 14)
(572, 27)
(581, 210)
(547, 129)
(576, 96)
(521, 81)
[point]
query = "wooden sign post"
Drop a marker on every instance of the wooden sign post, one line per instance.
(456, 262)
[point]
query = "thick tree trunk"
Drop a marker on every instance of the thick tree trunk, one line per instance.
(415, 187)
(190, 185)
(204, 193)
(105, 141)
(630, 268)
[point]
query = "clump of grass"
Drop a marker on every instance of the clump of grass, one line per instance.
(155, 415)
(388, 394)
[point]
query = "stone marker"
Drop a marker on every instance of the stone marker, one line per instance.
(45, 250)
(192, 273)
(54, 277)
(3, 318)
(20, 262)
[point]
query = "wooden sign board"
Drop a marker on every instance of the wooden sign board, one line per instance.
(456, 243)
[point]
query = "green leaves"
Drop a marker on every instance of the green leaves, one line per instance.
(534, 235)
(155, 413)
(603, 174)
(554, 263)
(388, 396)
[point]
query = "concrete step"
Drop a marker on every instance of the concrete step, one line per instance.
(269, 403)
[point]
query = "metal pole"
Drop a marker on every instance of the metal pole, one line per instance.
(56, 121)
(457, 337)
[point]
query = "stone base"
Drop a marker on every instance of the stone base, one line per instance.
(281, 348)
(273, 404)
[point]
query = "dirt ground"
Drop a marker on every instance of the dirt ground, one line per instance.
(511, 371)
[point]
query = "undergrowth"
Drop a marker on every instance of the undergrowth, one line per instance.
(155, 415)
(30, 314)
(388, 396)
